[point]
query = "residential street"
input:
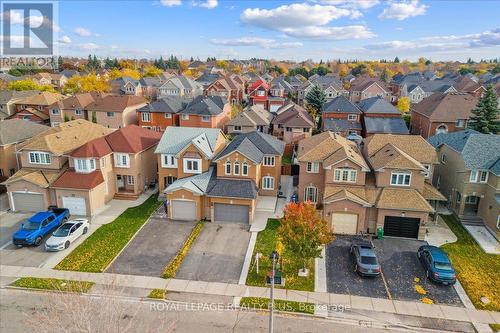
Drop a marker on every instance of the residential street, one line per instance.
(17, 306)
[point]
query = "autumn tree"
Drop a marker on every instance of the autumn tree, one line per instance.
(484, 117)
(403, 104)
(303, 231)
(86, 83)
(343, 70)
(29, 84)
(151, 71)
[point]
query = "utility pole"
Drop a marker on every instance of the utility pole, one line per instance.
(274, 257)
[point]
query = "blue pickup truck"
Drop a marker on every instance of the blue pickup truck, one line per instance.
(34, 229)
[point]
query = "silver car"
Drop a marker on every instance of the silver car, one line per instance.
(365, 259)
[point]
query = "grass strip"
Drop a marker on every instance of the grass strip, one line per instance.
(158, 293)
(53, 284)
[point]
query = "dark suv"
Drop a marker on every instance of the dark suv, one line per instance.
(365, 259)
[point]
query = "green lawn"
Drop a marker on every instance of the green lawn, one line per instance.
(158, 293)
(53, 284)
(258, 303)
(100, 248)
(478, 272)
(266, 243)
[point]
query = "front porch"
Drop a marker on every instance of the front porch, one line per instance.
(127, 188)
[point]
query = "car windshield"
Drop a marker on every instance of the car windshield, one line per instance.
(443, 266)
(63, 231)
(31, 225)
(369, 260)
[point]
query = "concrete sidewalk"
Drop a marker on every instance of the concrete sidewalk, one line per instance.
(236, 290)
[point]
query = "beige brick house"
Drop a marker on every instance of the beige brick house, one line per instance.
(116, 111)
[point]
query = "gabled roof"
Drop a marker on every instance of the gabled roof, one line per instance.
(294, 116)
(479, 151)
(116, 103)
(78, 180)
(41, 115)
(341, 104)
(254, 145)
(257, 84)
(377, 105)
(385, 125)
(176, 139)
(362, 83)
(447, 107)
(205, 106)
(42, 178)
(403, 199)
(18, 130)
(77, 101)
(14, 95)
(413, 145)
(96, 148)
(196, 184)
(361, 194)
(255, 115)
(132, 139)
(44, 98)
(168, 104)
(392, 157)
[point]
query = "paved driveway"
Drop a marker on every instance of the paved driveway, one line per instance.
(152, 248)
(400, 266)
(218, 254)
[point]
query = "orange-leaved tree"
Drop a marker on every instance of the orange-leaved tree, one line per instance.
(303, 231)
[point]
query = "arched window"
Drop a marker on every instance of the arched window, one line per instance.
(311, 194)
(244, 169)
(228, 168)
(442, 129)
(236, 168)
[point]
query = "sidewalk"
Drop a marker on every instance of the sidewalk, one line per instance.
(237, 290)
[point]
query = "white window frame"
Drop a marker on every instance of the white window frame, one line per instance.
(427, 173)
(312, 167)
(269, 161)
(236, 168)
(122, 160)
(457, 123)
(265, 186)
(78, 112)
(39, 157)
(168, 161)
(168, 115)
(498, 221)
(352, 117)
(227, 167)
(185, 117)
(401, 175)
(345, 175)
(237, 128)
(481, 173)
(186, 163)
(84, 165)
(443, 158)
(130, 180)
(474, 174)
(146, 117)
(245, 167)
(314, 194)
(205, 119)
(55, 112)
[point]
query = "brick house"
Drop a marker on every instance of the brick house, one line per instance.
(258, 93)
(363, 88)
(381, 117)
(71, 108)
(35, 107)
(228, 87)
(253, 118)
(162, 113)
(293, 123)
(116, 111)
(207, 112)
(341, 116)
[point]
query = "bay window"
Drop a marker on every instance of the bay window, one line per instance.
(84, 165)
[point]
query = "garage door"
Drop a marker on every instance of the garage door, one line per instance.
(28, 202)
(397, 226)
(183, 210)
(76, 205)
(231, 213)
(346, 224)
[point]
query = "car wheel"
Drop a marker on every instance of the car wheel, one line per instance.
(85, 230)
(38, 241)
(66, 245)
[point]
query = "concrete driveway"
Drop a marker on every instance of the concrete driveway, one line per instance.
(400, 266)
(218, 254)
(152, 248)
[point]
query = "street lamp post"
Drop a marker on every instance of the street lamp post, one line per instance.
(274, 257)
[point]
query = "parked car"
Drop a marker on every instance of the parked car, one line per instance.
(67, 234)
(35, 228)
(437, 265)
(365, 259)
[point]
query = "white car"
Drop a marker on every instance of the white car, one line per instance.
(67, 234)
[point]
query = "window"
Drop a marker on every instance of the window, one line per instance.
(185, 117)
(237, 128)
(78, 112)
(168, 161)
(441, 129)
(268, 183)
(110, 114)
(471, 200)
(146, 116)
(39, 158)
(483, 177)
(192, 165)
(288, 129)
(311, 194)
(268, 160)
(130, 180)
(121, 160)
(306, 130)
(84, 165)
(55, 112)
(228, 168)
(400, 178)
(443, 158)
(352, 117)
(168, 115)
(169, 180)
(261, 92)
(236, 168)
(205, 118)
(460, 123)
(473, 176)
(427, 173)
(459, 197)
(345, 175)
(312, 167)
(244, 169)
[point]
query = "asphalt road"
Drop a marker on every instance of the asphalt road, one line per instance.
(26, 311)
(218, 254)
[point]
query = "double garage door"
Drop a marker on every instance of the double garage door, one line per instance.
(346, 224)
(231, 213)
(28, 202)
(397, 226)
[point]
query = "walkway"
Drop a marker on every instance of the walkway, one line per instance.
(237, 290)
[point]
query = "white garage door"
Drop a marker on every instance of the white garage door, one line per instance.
(344, 223)
(28, 202)
(75, 205)
(183, 210)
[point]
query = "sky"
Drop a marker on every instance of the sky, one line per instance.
(282, 30)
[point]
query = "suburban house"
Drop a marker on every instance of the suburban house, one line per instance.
(331, 86)
(150, 87)
(363, 88)
(381, 117)
(293, 123)
(12, 133)
(119, 165)
(417, 86)
(442, 113)
(57, 80)
(206, 111)
(180, 85)
(35, 107)
(207, 78)
(126, 86)
(9, 98)
(258, 93)
(43, 158)
(277, 96)
(469, 176)
(385, 185)
(342, 116)
(467, 85)
(71, 108)
(162, 113)
(208, 178)
(230, 87)
(253, 118)
(115, 111)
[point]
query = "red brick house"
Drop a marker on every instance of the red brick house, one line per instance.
(162, 113)
(206, 112)
(258, 93)
(231, 87)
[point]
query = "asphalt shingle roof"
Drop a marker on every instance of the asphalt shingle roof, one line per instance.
(205, 106)
(341, 104)
(169, 104)
(17, 130)
(385, 125)
(377, 105)
(232, 188)
(197, 183)
(335, 125)
(175, 139)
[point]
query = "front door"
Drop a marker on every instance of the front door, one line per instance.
(120, 182)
